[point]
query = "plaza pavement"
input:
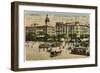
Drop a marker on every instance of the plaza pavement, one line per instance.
(32, 53)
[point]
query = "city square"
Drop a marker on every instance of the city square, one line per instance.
(65, 38)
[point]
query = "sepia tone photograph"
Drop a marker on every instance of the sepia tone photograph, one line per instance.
(56, 35)
(53, 36)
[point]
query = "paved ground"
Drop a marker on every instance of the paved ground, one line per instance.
(32, 53)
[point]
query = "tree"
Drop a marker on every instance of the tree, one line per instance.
(60, 36)
(29, 36)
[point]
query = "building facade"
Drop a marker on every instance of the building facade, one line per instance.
(72, 28)
(41, 31)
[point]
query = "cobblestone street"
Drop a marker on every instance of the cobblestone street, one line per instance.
(33, 53)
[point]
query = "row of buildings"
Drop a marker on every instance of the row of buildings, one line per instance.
(59, 29)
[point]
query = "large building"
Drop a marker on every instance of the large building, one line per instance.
(72, 28)
(41, 31)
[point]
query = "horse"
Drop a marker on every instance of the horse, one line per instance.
(55, 53)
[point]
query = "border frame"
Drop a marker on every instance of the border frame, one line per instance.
(15, 34)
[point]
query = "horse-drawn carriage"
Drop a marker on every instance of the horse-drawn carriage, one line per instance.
(53, 49)
(55, 53)
(56, 50)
